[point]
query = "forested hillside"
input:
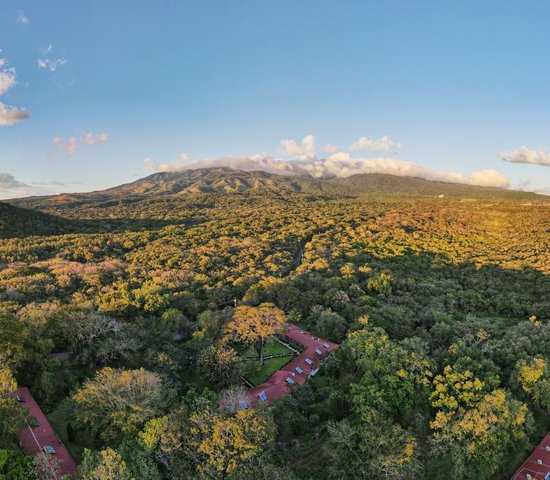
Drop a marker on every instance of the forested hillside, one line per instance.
(21, 222)
(441, 305)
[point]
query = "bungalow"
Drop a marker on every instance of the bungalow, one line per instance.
(39, 437)
(537, 465)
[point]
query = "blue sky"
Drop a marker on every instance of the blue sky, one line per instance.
(450, 90)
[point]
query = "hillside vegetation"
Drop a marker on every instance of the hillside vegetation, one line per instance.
(441, 306)
(21, 222)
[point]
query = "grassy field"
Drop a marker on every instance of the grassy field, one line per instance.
(257, 373)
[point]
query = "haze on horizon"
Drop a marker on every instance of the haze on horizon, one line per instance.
(100, 93)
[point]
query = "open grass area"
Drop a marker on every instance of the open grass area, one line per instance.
(60, 419)
(257, 373)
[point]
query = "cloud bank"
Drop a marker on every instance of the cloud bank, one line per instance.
(526, 155)
(338, 164)
(9, 114)
(179, 164)
(72, 144)
(11, 187)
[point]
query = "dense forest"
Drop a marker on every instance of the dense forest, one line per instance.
(122, 311)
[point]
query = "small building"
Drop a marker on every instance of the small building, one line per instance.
(39, 437)
(537, 465)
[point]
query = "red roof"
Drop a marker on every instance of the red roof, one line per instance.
(537, 466)
(277, 385)
(34, 439)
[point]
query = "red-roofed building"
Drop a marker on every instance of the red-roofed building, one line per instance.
(297, 370)
(537, 466)
(42, 437)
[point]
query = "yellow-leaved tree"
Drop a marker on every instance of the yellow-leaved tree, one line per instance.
(255, 325)
(477, 436)
(223, 443)
(534, 379)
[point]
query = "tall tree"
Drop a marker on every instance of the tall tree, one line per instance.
(534, 379)
(107, 464)
(96, 338)
(255, 325)
(394, 376)
(119, 401)
(373, 447)
(221, 444)
(220, 365)
(474, 440)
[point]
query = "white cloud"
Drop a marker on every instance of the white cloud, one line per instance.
(383, 144)
(526, 155)
(489, 178)
(337, 164)
(8, 114)
(329, 148)
(22, 18)
(340, 164)
(7, 78)
(180, 163)
(48, 61)
(71, 144)
(49, 64)
(305, 149)
(95, 139)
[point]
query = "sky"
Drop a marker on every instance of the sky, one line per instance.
(99, 93)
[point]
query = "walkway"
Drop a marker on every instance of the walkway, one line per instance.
(33, 440)
(298, 370)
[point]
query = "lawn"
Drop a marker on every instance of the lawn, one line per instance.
(256, 373)
(60, 419)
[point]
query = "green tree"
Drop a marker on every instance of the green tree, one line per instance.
(392, 378)
(107, 464)
(12, 418)
(474, 440)
(220, 366)
(212, 324)
(120, 401)
(331, 325)
(373, 447)
(16, 466)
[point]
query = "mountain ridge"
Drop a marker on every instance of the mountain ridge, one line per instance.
(226, 180)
